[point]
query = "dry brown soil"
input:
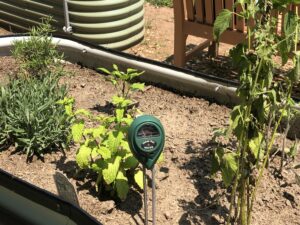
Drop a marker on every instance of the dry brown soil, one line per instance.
(186, 194)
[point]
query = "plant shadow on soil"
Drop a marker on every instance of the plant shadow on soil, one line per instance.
(206, 207)
(85, 182)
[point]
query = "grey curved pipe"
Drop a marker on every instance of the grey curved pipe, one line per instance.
(94, 58)
(158, 73)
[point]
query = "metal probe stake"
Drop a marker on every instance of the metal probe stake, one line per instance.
(153, 197)
(145, 196)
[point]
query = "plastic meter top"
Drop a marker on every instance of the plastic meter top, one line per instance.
(146, 139)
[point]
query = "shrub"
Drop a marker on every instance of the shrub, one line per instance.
(104, 148)
(37, 55)
(167, 3)
(31, 117)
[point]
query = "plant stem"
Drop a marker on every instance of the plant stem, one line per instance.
(284, 140)
(232, 197)
(261, 170)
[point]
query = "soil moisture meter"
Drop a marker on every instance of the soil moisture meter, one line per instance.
(146, 138)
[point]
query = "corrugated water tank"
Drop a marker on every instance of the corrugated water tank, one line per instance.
(116, 24)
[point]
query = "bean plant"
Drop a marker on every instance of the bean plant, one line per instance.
(265, 102)
(103, 138)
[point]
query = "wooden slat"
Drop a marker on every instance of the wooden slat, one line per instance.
(190, 10)
(229, 6)
(240, 23)
(219, 5)
(275, 14)
(199, 10)
(205, 31)
(179, 35)
(209, 13)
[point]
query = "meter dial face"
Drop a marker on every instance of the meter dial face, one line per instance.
(148, 130)
(148, 134)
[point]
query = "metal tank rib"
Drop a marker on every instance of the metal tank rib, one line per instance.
(117, 24)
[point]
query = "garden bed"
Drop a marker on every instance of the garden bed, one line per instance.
(186, 194)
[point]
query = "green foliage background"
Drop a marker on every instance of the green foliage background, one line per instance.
(168, 3)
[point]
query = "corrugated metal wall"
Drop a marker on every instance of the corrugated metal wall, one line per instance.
(116, 24)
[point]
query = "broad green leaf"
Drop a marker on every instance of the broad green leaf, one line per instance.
(125, 146)
(289, 26)
(237, 55)
(222, 22)
(82, 112)
(255, 145)
(128, 120)
(130, 70)
(104, 152)
(116, 100)
(119, 115)
(293, 150)
(130, 162)
(88, 131)
(229, 167)
(83, 156)
(114, 140)
(126, 103)
(106, 71)
(115, 67)
(77, 131)
(294, 74)
(161, 158)
(216, 161)
(110, 173)
(98, 166)
(97, 132)
(122, 185)
(284, 49)
(137, 86)
(236, 122)
(139, 178)
(134, 73)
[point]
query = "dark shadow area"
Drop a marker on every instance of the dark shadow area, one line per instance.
(132, 205)
(108, 108)
(85, 181)
(206, 207)
(220, 66)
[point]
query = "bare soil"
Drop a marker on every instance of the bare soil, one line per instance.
(186, 193)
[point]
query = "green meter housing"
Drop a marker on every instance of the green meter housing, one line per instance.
(146, 138)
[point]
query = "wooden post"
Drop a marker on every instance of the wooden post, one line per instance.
(179, 35)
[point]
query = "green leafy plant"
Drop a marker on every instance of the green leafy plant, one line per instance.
(264, 101)
(33, 117)
(103, 146)
(36, 55)
(167, 3)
